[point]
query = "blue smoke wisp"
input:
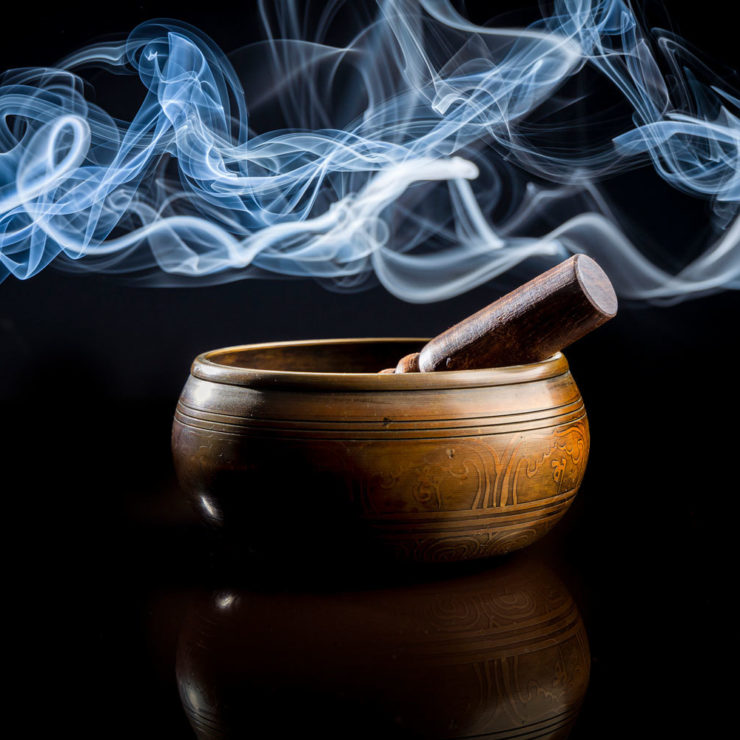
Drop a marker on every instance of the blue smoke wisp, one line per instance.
(389, 158)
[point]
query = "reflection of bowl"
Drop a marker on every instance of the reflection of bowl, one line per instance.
(499, 654)
(302, 445)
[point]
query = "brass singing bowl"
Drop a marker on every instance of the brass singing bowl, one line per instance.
(304, 447)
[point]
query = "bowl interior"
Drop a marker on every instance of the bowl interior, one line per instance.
(319, 356)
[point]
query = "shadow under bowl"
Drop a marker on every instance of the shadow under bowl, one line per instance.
(301, 447)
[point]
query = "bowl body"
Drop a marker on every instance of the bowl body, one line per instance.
(303, 446)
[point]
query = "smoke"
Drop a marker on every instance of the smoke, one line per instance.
(422, 151)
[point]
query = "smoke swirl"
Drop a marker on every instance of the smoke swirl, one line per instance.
(421, 153)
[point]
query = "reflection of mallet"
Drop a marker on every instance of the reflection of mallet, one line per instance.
(529, 324)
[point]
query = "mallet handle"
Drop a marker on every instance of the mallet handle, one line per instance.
(529, 324)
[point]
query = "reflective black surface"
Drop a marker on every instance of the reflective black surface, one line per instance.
(479, 652)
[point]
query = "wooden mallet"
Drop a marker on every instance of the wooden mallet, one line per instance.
(529, 324)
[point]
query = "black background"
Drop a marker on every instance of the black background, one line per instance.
(101, 551)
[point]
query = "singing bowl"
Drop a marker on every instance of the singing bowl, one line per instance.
(304, 447)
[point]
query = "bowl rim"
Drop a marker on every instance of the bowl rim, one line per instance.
(206, 367)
